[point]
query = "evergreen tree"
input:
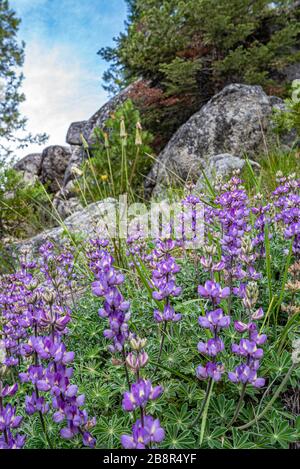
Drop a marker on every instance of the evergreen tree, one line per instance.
(244, 40)
(12, 124)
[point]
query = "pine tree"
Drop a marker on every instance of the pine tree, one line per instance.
(12, 124)
(190, 49)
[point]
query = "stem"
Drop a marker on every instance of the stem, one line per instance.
(45, 429)
(204, 418)
(125, 368)
(207, 393)
(279, 389)
(142, 416)
(1, 408)
(134, 165)
(110, 172)
(238, 407)
(161, 345)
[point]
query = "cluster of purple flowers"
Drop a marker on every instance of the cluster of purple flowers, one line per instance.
(136, 246)
(115, 308)
(191, 221)
(287, 202)
(9, 421)
(233, 217)
(147, 430)
(55, 379)
(248, 348)
(215, 321)
(262, 214)
(238, 266)
(35, 322)
(163, 279)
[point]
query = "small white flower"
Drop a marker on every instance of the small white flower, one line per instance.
(296, 352)
(76, 171)
(2, 353)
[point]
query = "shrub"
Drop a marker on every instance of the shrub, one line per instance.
(24, 208)
(120, 158)
(191, 49)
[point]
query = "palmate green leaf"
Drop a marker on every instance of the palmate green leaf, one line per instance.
(100, 396)
(275, 364)
(280, 432)
(179, 416)
(108, 431)
(177, 439)
(191, 393)
(215, 438)
(224, 408)
(240, 440)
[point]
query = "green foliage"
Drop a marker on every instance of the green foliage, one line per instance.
(11, 59)
(120, 161)
(188, 50)
(274, 164)
(289, 119)
(264, 421)
(239, 38)
(103, 382)
(24, 208)
(180, 75)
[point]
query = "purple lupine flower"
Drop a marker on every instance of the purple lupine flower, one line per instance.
(191, 221)
(247, 348)
(137, 361)
(35, 404)
(10, 421)
(115, 308)
(210, 370)
(143, 434)
(261, 221)
(287, 202)
(214, 320)
(246, 374)
(140, 393)
(212, 347)
(168, 314)
(213, 291)
(164, 271)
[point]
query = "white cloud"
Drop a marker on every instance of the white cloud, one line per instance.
(58, 90)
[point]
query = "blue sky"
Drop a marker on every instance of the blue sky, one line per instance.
(62, 69)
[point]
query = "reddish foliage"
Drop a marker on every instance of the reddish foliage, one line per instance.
(275, 90)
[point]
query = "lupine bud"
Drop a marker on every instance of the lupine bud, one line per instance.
(49, 297)
(251, 294)
(123, 133)
(210, 250)
(32, 285)
(138, 134)
(106, 140)
(137, 343)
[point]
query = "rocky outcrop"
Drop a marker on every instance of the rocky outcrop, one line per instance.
(66, 200)
(86, 128)
(55, 160)
(85, 222)
(75, 131)
(234, 121)
(222, 166)
(30, 166)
